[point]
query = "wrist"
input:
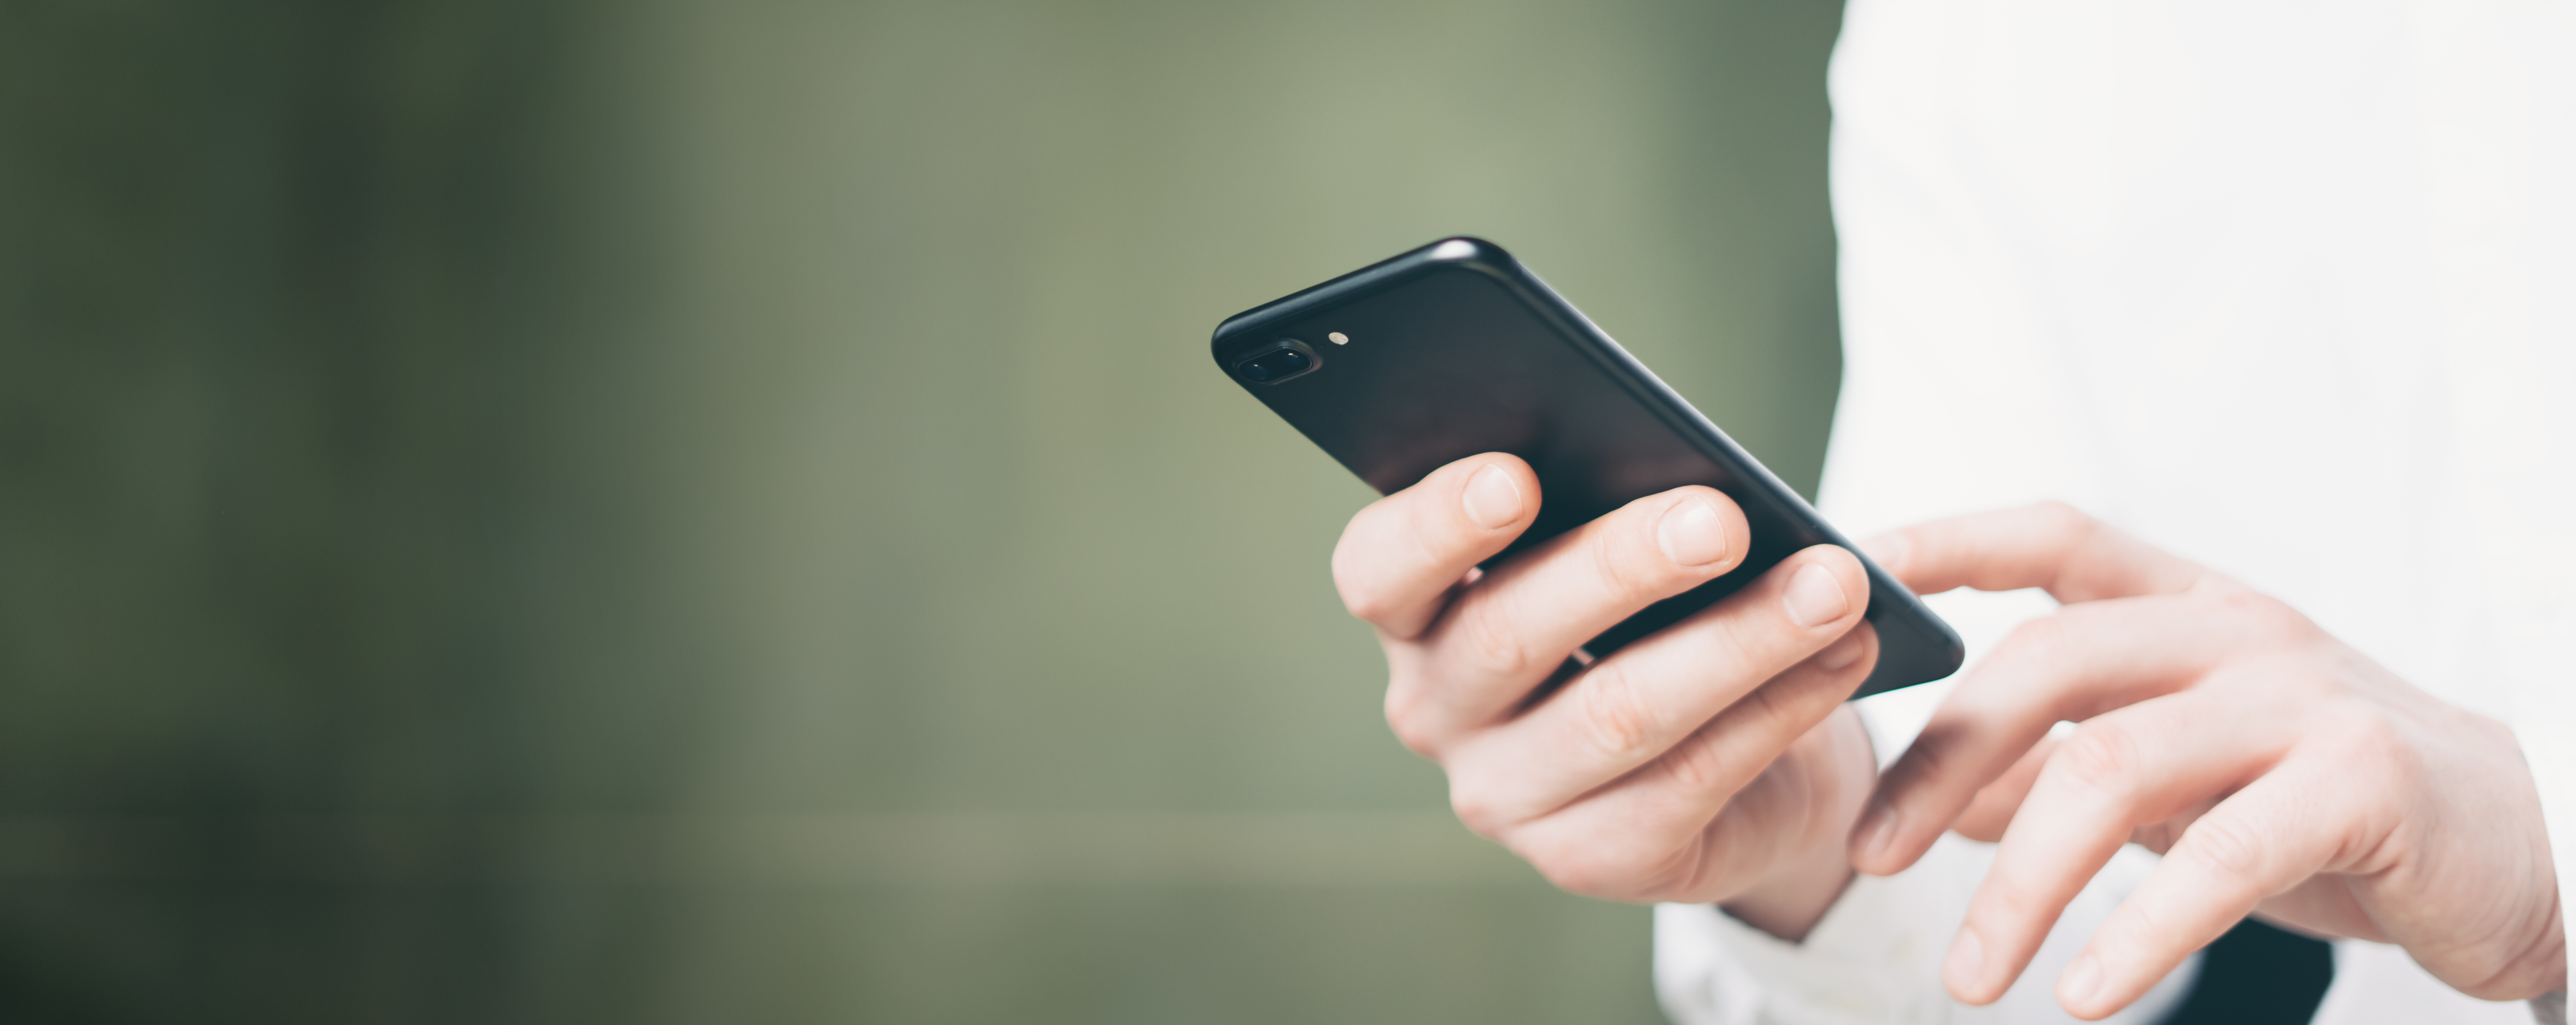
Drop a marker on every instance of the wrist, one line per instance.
(1790, 907)
(1811, 878)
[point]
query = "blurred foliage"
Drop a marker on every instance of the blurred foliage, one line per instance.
(535, 511)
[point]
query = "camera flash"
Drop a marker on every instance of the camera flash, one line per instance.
(1338, 337)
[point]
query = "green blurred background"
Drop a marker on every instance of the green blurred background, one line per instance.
(566, 511)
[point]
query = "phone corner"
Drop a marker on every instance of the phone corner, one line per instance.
(1470, 252)
(1466, 249)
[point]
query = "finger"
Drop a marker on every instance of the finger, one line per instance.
(1992, 809)
(2051, 546)
(1632, 707)
(2072, 665)
(2159, 836)
(1646, 836)
(1399, 557)
(1500, 638)
(2140, 764)
(2303, 819)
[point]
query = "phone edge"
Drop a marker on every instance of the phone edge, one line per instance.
(1493, 261)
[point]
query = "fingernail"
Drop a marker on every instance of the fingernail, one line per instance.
(2082, 980)
(1966, 963)
(1491, 498)
(1839, 655)
(1690, 533)
(1814, 597)
(1877, 830)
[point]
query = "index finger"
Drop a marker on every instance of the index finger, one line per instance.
(2052, 546)
(1399, 558)
(2083, 661)
(2142, 764)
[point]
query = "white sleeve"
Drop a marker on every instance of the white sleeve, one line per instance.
(2545, 720)
(1876, 956)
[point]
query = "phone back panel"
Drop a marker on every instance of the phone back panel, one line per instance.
(1456, 349)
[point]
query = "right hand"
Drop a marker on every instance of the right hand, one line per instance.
(1712, 762)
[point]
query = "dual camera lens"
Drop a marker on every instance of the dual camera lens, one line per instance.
(1277, 363)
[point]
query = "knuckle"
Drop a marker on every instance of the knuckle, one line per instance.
(1615, 713)
(2067, 522)
(2100, 757)
(1695, 767)
(1417, 739)
(1478, 805)
(1765, 713)
(2058, 510)
(1408, 716)
(1357, 558)
(2263, 613)
(2226, 844)
(2370, 737)
(1363, 599)
(1482, 637)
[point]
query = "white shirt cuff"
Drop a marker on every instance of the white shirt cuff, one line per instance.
(1876, 955)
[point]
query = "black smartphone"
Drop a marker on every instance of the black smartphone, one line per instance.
(1454, 349)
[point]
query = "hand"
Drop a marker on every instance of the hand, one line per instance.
(1707, 762)
(2278, 770)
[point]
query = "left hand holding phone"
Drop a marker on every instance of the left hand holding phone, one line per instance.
(1712, 762)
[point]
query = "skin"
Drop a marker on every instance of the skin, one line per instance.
(2280, 772)
(1710, 762)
